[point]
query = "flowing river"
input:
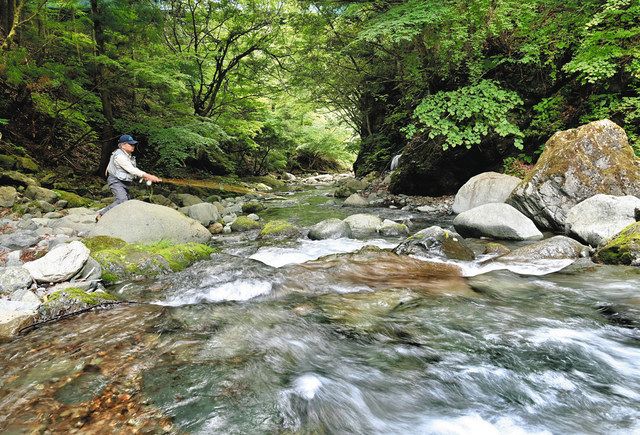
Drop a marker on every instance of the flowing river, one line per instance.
(309, 339)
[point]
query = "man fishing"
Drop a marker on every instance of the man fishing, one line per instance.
(121, 171)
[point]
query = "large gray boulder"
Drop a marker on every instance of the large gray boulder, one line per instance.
(59, 264)
(597, 219)
(140, 222)
(577, 164)
(363, 225)
(554, 248)
(330, 229)
(485, 188)
(435, 242)
(79, 219)
(14, 278)
(500, 221)
(205, 213)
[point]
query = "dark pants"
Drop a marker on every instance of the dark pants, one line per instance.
(120, 190)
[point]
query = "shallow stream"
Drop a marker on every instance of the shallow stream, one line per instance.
(306, 339)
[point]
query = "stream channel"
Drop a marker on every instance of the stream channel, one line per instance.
(275, 340)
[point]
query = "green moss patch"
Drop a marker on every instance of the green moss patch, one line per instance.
(279, 230)
(243, 223)
(74, 200)
(79, 295)
(121, 261)
(622, 249)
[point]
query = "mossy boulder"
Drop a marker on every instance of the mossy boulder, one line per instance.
(7, 161)
(623, 248)
(121, 260)
(72, 299)
(13, 178)
(40, 193)
(252, 207)
(352, 185)
(577, 164)
(73, 199)
(27, 164)
(279, 230)
(243, 223)
(436, 242)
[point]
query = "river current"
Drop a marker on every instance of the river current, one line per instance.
(334, 337)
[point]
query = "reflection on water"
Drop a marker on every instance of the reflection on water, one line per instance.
(368, 342)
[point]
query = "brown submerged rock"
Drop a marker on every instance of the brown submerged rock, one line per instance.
(577, 164)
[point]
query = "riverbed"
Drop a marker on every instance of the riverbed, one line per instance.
(339, 336)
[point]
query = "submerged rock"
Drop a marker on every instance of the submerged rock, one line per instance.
(485, 188)
(554, 248)
(390, 228)
(500, 221)
(436, 242)
(595, 220)
(577, 164)
(624, 248)
(330, 229)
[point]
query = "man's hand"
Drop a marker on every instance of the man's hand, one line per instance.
(152, 178)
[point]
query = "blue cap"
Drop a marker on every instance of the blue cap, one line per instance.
(125, 138)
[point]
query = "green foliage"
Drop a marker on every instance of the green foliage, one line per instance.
(611, 43)
(517, 166)
(467, 115)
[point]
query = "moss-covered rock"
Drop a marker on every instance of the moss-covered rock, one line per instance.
(7, 161)
(27, 164)
(73, 199)
(70, 300)
(279, 230)
(623, 248)
(252, 207)
(243, 223)
(121, 260)
(13, 178)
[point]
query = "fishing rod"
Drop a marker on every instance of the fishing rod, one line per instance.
(206, 184)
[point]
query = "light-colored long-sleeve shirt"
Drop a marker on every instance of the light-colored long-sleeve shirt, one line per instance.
(123, 166)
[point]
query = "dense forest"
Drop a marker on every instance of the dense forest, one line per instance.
(246, 87)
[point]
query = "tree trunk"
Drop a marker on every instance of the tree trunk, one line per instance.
(107, 135)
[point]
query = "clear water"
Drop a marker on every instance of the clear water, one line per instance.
(350, 343)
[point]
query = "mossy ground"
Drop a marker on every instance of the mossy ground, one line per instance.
(120, 260)
(74, 200)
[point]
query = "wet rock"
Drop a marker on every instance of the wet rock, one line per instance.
(577, 164)
(13, 279)
(279, 230)
(330, 229)
(500, 221)
(59, 264)
(624, 248)
(485, 188)
(363, 225)
(243, 223)
(121, 261)
(15, 315)
(205, 213)
(355, 200)
(495, 249)
(390, 228)
(70, 300)
(41, 193)
(8, 195)
(436, 242)
(554, 248)
(139, 222)
(595, 220)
